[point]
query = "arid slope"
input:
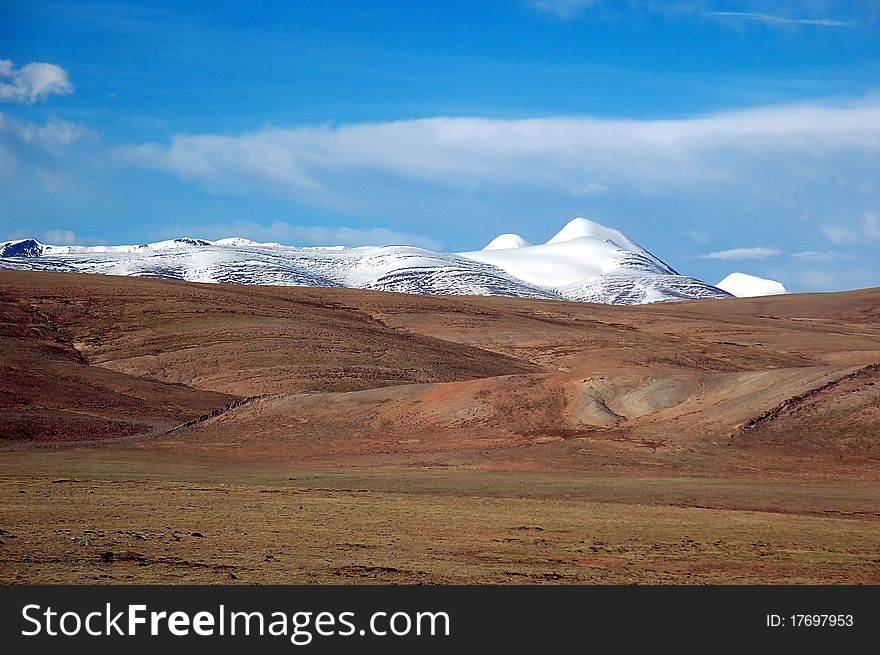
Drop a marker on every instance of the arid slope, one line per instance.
(344, 377)
(290, 435)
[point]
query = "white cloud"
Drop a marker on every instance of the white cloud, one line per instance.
(698, 237)
(572, 9)
(296, 235)
(55, 237)
(34, 156)
(33, 82)
(759, 252)
(563, 9)
(781, 20)
(61, 238)
(578, 157)
(840, 235)
(53, 132)
(15, 235)
(820, 257)
(872, 225)
(851, 234)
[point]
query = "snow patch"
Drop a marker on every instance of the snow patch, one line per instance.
(507, 242)
(743, 285)
(241, 241)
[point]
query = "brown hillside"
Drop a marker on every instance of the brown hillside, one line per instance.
(361, 377)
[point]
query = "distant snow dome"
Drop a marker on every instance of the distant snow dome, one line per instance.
(241, 241)
(743, 285)
(580, 227)
(506, 242)
(581, 250)
(181, 242)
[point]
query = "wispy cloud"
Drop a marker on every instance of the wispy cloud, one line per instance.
(57, 237)
(36, 153)
(758, 252)
(567, 10)
(33, 82)
(839, 235)
(871, 225)
(849, 235)
(698, 237)
(62, 237)
(45, 164)
(53, 132)
(579, 157)
(562, 9)
(820, 257)
(781, 20)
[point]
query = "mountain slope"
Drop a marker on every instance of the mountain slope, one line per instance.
(585, 261)
(345, 374)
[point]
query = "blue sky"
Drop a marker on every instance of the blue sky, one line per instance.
(722, 136)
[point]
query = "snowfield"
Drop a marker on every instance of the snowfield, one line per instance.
(743, 285)
(585, 262)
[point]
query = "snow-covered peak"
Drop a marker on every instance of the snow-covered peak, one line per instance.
(177, 243)
(241, 241)
(562, 263)
(507, 242)
(584, 261)
(584, 227)
(581, 228)
(21, 248)
(580, 250)
(743, 285)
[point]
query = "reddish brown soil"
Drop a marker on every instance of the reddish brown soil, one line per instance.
(365, 378)
(50, 393)
(712, 441)
(839, 419)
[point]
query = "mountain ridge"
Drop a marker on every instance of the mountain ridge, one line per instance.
(585, 261)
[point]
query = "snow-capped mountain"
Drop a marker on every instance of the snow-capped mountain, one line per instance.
(506, 241)
(743, 285)
(585, 261)
(581, 250)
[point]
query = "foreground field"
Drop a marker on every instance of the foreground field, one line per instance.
(156, 431)
(114, 518)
